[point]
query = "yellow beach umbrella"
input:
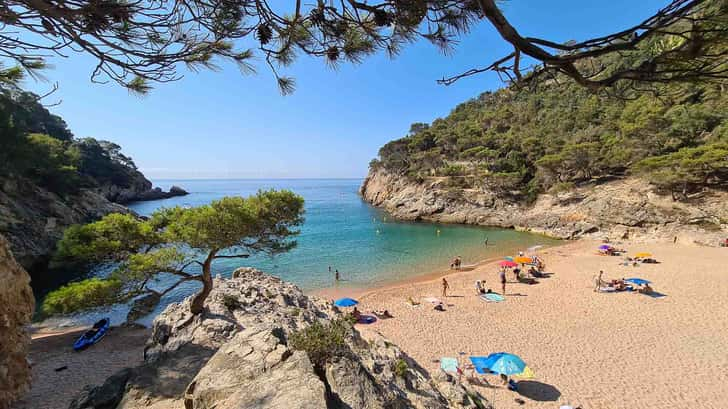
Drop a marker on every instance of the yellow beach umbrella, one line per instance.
(526, 374)
(643, 255)
(523, 260)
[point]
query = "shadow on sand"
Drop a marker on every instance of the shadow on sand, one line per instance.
(538, 391)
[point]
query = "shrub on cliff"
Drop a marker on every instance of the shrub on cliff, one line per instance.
(322, 341)
(179, 242)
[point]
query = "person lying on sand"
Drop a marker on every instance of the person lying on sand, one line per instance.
(382, 314)
(618, 285)
(411, 301)
(646, 289)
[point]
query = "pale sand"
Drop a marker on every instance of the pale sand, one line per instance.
(597, 350)
(120, 348)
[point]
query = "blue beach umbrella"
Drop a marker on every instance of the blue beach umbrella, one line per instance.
(638, 281)
(346, 302)
(505, 363)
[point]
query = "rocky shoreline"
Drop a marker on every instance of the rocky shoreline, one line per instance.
(33, 218)
(612, 209)
(239, 353)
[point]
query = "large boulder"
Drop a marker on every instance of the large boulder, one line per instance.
(16, 310)
(237, 354)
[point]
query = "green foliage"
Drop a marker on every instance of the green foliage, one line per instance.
(181, 241)
(37, 145)
(322, 341)
(526, 140)
(682, 171)
(400, 368)
(90, 293)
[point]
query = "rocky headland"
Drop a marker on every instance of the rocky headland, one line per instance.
(239, 353)
(33, 218)
(611, 208)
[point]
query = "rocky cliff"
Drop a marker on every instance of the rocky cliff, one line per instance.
(239, 354)
(33, 218)
(16, 308)
(603, 209)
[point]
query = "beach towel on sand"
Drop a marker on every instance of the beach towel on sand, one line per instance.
(492, 297)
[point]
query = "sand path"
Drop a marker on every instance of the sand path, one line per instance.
(598, 350)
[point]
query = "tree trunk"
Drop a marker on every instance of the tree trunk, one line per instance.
(198, 303)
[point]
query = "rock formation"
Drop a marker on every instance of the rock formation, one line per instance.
(33, 219)
(16, 310)
(612, 209)
(237, 355)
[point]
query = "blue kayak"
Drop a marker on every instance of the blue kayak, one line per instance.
(93, 335)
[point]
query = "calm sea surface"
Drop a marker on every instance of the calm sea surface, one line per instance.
(342, 231)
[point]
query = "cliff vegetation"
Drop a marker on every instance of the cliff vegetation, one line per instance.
(523, 141)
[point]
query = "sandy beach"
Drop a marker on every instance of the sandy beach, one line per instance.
(596, 350)
(51, 350)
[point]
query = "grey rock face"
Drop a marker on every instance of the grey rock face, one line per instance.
(237, 355)
(604, 210)
(33, 219)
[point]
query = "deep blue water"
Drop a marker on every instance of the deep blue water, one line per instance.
(344, 232)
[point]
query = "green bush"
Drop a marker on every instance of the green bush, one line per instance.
(562, 187)
(90, 293)
(400, 368)
(322, 341)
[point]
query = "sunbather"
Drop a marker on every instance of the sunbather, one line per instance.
(646, 289)
(382, 314)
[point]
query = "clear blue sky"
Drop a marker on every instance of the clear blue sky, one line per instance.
(225, 125)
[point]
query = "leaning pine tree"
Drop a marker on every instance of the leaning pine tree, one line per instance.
(177, 241)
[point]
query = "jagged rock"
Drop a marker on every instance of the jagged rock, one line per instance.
(255, 369)
(106, 395)
(604, 209)
(16, 309)
(230, 358)
(33, 219)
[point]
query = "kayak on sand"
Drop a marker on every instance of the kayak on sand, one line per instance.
(93, 335)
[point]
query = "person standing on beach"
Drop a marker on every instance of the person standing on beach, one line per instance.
(598, 282)
(445, 286)
(502, 276)
(336, 276)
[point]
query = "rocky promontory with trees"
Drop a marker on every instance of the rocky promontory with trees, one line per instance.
(50, 180)
(564, 161)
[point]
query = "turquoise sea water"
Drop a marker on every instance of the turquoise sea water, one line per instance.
(342, 231)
